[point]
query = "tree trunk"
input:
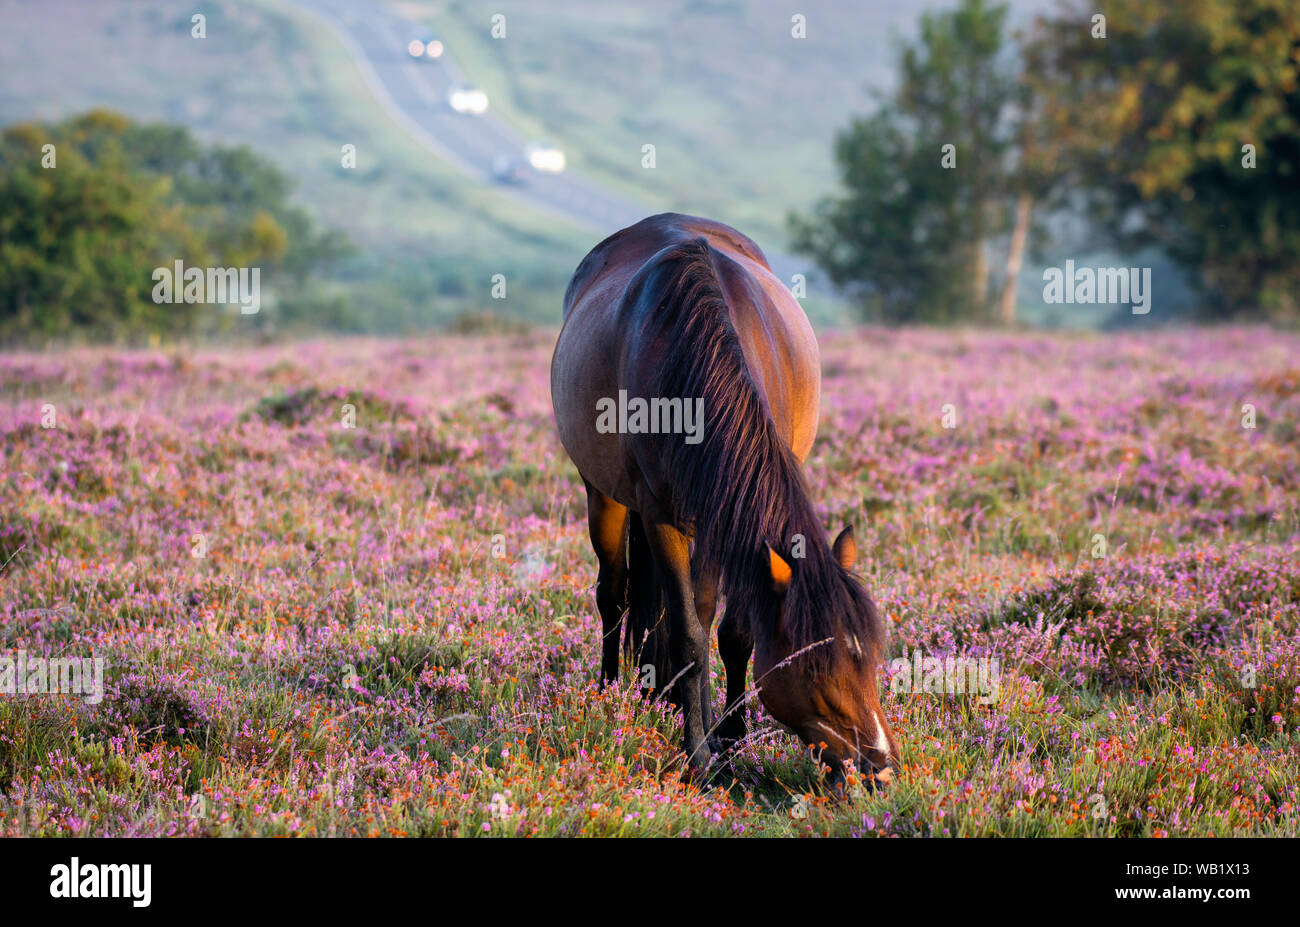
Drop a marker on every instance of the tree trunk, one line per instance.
(1015, 256)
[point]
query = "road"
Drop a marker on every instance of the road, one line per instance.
(414, 92)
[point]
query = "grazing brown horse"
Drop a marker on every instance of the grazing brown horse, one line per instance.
(686, 382)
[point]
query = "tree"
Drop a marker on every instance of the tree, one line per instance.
(1183, 131)
(79, 240)
(910, 236)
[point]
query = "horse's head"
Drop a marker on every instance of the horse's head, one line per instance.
(827, 694)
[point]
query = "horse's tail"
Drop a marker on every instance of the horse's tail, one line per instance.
(645, 639)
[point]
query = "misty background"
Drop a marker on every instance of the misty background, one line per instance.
(430, 222)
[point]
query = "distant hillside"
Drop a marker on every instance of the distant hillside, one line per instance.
(271, 77)
(741, 114)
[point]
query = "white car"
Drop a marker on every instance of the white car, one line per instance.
(424, 45)
(544, 158)
(468, 100)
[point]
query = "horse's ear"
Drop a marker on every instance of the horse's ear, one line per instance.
(845, 548)
(780, 572)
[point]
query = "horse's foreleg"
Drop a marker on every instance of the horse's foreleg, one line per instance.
(607, 522)
(687, 642)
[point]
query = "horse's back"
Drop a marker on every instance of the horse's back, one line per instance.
(612, 263)
(610, 339)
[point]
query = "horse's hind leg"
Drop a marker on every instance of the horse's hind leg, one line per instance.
(704, 584)
(686, 640)
(607, 522)
(735, 647)
(647, 628)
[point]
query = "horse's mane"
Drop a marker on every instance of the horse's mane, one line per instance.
(741, 486)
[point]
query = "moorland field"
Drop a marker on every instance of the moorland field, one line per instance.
(344, 587)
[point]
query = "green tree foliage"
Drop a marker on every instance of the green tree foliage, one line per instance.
(1151, 121)
(79, 241)
(909, 236)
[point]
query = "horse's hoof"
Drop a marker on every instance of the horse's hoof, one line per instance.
(699, 766)
(721, 774)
